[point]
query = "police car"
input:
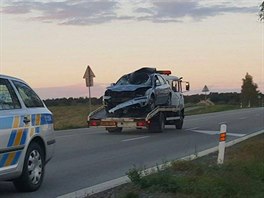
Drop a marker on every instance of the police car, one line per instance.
(26, 135)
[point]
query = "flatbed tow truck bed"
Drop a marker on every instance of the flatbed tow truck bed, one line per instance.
(155, 120)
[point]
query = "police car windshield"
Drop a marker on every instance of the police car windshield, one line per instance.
(135, 79)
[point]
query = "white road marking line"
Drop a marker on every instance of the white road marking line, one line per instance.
(222, 122)
(190, 129)
(76, 134)
(236, 134)
(132, 139)
(207, 132)
(217, 133)
(243, 118)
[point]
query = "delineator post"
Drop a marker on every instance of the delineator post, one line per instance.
(222, 144)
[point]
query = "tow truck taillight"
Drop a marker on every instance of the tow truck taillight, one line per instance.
(94, 123)
(143, 123)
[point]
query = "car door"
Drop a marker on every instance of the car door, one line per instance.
(13, 129)
(164, 90)
(157, 90)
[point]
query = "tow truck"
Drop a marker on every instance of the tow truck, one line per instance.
(155, 120)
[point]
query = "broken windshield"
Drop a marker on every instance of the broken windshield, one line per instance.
(135, 79)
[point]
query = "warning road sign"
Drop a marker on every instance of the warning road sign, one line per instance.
(89, 76)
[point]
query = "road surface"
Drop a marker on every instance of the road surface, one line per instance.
(85, 157)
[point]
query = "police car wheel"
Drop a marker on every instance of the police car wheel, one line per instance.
(33, 170)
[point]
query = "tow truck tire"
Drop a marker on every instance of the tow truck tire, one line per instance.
(157, 124)
(179, 123)
(114, 130)
(33, 169)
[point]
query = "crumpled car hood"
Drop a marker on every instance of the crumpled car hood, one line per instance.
(120, 88)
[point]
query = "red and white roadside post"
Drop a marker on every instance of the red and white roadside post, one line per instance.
(222, 144)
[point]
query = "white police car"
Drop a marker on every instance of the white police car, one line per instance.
(26, 134)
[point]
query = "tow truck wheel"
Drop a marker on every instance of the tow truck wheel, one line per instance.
(179, 123)
(33, 169)
(157, 124)
(114, 130)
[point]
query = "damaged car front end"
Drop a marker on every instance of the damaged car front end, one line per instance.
(133, 93)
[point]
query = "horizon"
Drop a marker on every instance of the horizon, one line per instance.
(49, 44)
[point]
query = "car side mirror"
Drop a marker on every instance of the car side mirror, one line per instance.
(157, 83)
(112, 84)
(187, 86)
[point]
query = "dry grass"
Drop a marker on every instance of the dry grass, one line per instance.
(69, 117)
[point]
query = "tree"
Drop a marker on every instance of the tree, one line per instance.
(249, 92)
(261, 12)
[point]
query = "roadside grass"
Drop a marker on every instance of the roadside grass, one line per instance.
(75, 116)
(200, 109)
(71, 116)
(242, 175)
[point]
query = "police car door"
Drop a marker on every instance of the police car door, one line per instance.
(40, 118)
(13, 126)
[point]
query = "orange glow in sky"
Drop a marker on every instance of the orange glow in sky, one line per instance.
(211, 43)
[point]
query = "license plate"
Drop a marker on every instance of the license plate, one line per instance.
(108, 123)
(126, 124)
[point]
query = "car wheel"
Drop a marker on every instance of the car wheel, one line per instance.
(151, 104)
(33, 169)
(114, 130)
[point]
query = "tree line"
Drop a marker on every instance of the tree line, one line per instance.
(73, 101)
(249, 97)
(217, 98)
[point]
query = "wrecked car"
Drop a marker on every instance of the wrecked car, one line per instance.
(141, 90)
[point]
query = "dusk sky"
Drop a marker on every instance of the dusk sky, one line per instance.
(208, 42)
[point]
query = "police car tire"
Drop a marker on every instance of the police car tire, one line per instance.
(23, 183)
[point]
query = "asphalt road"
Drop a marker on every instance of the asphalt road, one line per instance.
(85, 157)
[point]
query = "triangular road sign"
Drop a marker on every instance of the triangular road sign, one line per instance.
(88, 76)
(88, 73)
(205, 89)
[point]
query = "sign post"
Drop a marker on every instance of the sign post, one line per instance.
(205, 89)
(89, 76)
